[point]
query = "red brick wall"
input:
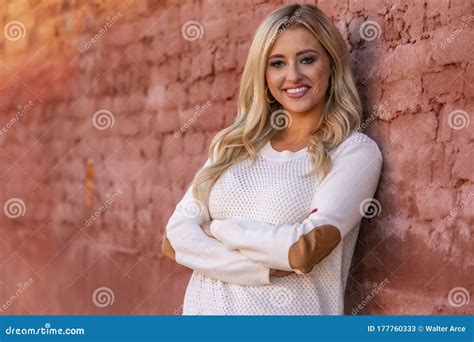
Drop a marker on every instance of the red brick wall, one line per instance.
(159, 100)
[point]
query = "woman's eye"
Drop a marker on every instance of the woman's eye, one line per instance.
(276, 64)
(308, 60)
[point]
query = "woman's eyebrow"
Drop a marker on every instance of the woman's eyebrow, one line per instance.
(297, 54)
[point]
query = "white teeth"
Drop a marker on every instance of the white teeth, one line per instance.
(296, 90)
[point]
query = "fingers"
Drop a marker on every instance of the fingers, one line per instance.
(280, 273)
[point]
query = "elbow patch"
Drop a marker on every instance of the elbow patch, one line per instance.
(313, 247)
(167, 249)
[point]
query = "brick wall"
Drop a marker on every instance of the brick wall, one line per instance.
(108, 107)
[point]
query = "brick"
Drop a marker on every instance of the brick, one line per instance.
(406, 60)
(156, 97)
(464, 163)
(194, 144)
(222, 62)
(414, 25)
(457, 10)
(437, 9)
(465, 203)
(443, 160)
(224, 87)
(166, 121)
(452, 45)
(445, 86)
(403, 96)
(213, 29)
(123, 34)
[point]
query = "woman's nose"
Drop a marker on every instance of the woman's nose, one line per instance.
(293, 72)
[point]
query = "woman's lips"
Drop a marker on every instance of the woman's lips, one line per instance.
(296, 93)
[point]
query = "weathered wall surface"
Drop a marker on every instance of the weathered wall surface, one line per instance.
(109, 107)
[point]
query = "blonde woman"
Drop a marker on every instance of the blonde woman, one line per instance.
(270, 222)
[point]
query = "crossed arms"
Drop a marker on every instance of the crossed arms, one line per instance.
(247, 251)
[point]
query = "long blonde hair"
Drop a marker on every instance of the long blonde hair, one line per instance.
(252, 129)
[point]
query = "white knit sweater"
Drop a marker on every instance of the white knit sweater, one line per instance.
(259, 212)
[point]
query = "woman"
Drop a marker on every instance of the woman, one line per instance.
(269, 226)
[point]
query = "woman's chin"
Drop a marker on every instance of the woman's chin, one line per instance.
(297, 108)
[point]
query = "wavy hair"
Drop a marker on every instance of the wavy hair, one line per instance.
(253, 128)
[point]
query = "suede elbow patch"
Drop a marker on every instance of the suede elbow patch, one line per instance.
(167, 249)
(313, 247)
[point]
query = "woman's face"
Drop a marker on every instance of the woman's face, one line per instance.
(298, 71)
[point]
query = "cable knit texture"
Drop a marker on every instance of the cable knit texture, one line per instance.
(259, 210)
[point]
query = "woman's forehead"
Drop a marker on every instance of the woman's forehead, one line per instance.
(295, 39)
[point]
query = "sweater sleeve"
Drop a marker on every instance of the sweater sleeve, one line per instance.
(337, 207)
(187, 244)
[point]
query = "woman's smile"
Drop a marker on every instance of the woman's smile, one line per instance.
(296, 93)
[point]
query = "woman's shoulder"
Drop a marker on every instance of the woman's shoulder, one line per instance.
(357, 142)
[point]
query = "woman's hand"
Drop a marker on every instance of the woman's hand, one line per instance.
(206, 227)
(280, 273)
